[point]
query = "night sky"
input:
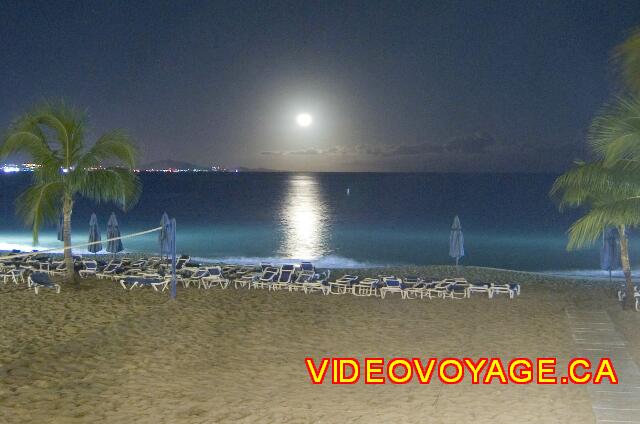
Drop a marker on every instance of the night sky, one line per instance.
(404, 86)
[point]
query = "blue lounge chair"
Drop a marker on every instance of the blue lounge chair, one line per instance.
(285, 277)
(89, 268)
(306, 269)
(246, 279)
(366, 287)
(139, 281)
(392, 285)
(110, 270)
(214, 278)
(196, 277)
(268, 277)
(343, 284)
(318, 282)
(41, 280)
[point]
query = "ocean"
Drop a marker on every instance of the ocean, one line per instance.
(335, 219)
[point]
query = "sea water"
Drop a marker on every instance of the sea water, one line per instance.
(335, 219)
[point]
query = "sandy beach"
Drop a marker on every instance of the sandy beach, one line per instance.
(102, 354)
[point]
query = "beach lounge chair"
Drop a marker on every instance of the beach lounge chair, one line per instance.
(440, 287)
(343, 284)
(409, 283)
(366, 287)
(392, 285)
(213, 278)
(58, 268)
(424, 289)
(16, 275)
(268, 277)
(182, 261)
(285, 277)
(479, 287)
(246, 279)
(512, 289)
(41, 280)
(110, 270)
(457, 290)
(138, 264)
(306, 270)
(89, 268)
(622, 292)
(318, 282)
(139, 281)
(195, 278)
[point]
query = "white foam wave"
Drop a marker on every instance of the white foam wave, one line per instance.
(324, 262)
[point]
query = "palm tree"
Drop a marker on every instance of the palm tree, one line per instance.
(53, 135)
(610, 187)
(611, 198)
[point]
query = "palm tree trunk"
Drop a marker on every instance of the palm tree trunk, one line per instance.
(67, 208)
(626, 268)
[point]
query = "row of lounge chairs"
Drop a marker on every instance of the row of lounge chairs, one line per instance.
(154, 272)
(35, 280)
(305, 277)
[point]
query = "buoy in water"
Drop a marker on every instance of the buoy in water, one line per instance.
(348, 191)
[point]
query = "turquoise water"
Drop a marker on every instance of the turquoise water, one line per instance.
(508, 219)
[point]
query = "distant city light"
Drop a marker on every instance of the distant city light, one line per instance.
(30, 167)
(9, 169)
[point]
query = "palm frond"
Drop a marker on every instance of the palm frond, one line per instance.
(587, 230)
(615, 134)
(117, 185)
(40, 204)
(22, 140)
(113, 148)
(67, 123)
(594, 184)
(627, 58)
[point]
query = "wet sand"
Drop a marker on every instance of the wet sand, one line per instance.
(102, 354)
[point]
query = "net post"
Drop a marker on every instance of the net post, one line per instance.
(173, 258)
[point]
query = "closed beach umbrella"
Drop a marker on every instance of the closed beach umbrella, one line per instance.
(610, 253)
(94, 235)
(113, 231)
(60, 227)
(456, 240)
(164, 236)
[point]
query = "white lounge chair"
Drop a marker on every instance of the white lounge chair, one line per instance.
(195, 278)
(343, 284)
(479, 288)
(268, 277)
(318, 282)
(214, 278)
(285, 277)
(246, 279)
(58, 268)
(90, 268)
(511, 289)
(392, 285)
(110, 270)
(157, 283)
(366, 287)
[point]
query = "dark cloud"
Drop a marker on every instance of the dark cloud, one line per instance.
(306, 152)
(476, 143)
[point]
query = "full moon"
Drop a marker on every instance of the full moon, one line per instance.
(304, 119)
